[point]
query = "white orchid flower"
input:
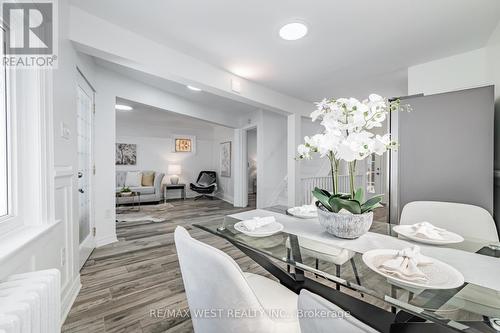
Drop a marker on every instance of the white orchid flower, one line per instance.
(375, 98)
(313, 141)
(346, 151)
(328, 143)
(381, 144)
(331, 122)
(304, 152)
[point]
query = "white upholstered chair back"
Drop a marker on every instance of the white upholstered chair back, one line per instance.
(336, 321)
(214, 281)
(466, 220)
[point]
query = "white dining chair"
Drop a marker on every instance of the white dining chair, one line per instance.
(332, 318)
(325, 252)
(466, 220)
(228, 299)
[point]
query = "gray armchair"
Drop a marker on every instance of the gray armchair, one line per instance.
(148, 193)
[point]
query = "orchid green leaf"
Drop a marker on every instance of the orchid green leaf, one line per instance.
(338, 204)
(359, 195)
(322, 197)
(371, 203)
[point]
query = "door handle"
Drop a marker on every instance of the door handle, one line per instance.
(81, 190)
(80, 174)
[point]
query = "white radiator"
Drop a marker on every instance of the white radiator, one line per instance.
(308, 184)
(30, 303)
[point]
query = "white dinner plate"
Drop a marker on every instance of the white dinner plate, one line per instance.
(449, 237)
(264, 231)
(440, 274)
(294, 211)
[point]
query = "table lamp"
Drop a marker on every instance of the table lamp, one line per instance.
(174, 170)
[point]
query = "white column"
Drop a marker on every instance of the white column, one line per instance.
(240, 168)
(294, 138)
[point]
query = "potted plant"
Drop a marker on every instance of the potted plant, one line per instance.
(125, 191)
(346, 137)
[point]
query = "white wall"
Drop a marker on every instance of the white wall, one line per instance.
(271, 157)
(156, 154)
(225, 184)
(272, 161)
(462, 71)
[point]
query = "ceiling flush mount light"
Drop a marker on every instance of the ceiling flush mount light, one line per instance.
(193, 88)
(121, 107)
(293, 31)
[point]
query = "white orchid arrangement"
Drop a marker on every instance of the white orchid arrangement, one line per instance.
(346, 137)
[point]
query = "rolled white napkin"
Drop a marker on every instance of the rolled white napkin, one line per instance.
(405, 265)
(427, 230)
(305, 209)
(258, 222)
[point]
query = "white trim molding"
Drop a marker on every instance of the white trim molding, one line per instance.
(64, 211)
(69, 297)
(224, 197)
(105, 240)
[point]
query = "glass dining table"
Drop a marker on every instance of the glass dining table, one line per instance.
(340, 275)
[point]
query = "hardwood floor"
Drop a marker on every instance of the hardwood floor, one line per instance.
(124, 281)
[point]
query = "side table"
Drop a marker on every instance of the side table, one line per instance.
(167, 187)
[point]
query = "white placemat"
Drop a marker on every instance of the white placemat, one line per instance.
(476, 268)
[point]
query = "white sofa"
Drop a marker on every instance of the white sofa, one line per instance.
(148, 193)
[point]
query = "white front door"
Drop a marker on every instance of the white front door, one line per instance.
(376, 176)
(85, 114)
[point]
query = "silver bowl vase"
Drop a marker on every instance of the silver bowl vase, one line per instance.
(348, 226)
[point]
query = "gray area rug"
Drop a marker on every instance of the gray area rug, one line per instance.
(153, 213)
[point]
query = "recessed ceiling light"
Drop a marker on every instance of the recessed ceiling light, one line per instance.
(293, 31)
(122, 107)
(193, 88)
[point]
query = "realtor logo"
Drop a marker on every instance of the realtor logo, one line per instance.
(29, 33)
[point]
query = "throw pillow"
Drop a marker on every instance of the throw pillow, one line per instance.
(206, 180)
(133, 179)
(148, 178)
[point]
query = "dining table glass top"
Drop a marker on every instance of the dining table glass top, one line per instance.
(335, 261)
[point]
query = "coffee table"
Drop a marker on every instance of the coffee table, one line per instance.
(134, 202)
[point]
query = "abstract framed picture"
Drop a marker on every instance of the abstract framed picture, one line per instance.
(225, 159)
(183, 145)
(126, 154)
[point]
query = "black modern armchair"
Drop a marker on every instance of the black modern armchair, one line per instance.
(205, 185)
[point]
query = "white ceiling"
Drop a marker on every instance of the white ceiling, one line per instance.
(352, 47)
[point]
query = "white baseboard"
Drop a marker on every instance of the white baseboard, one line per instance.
(225, 198)
(105, 240)
(69, 298)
